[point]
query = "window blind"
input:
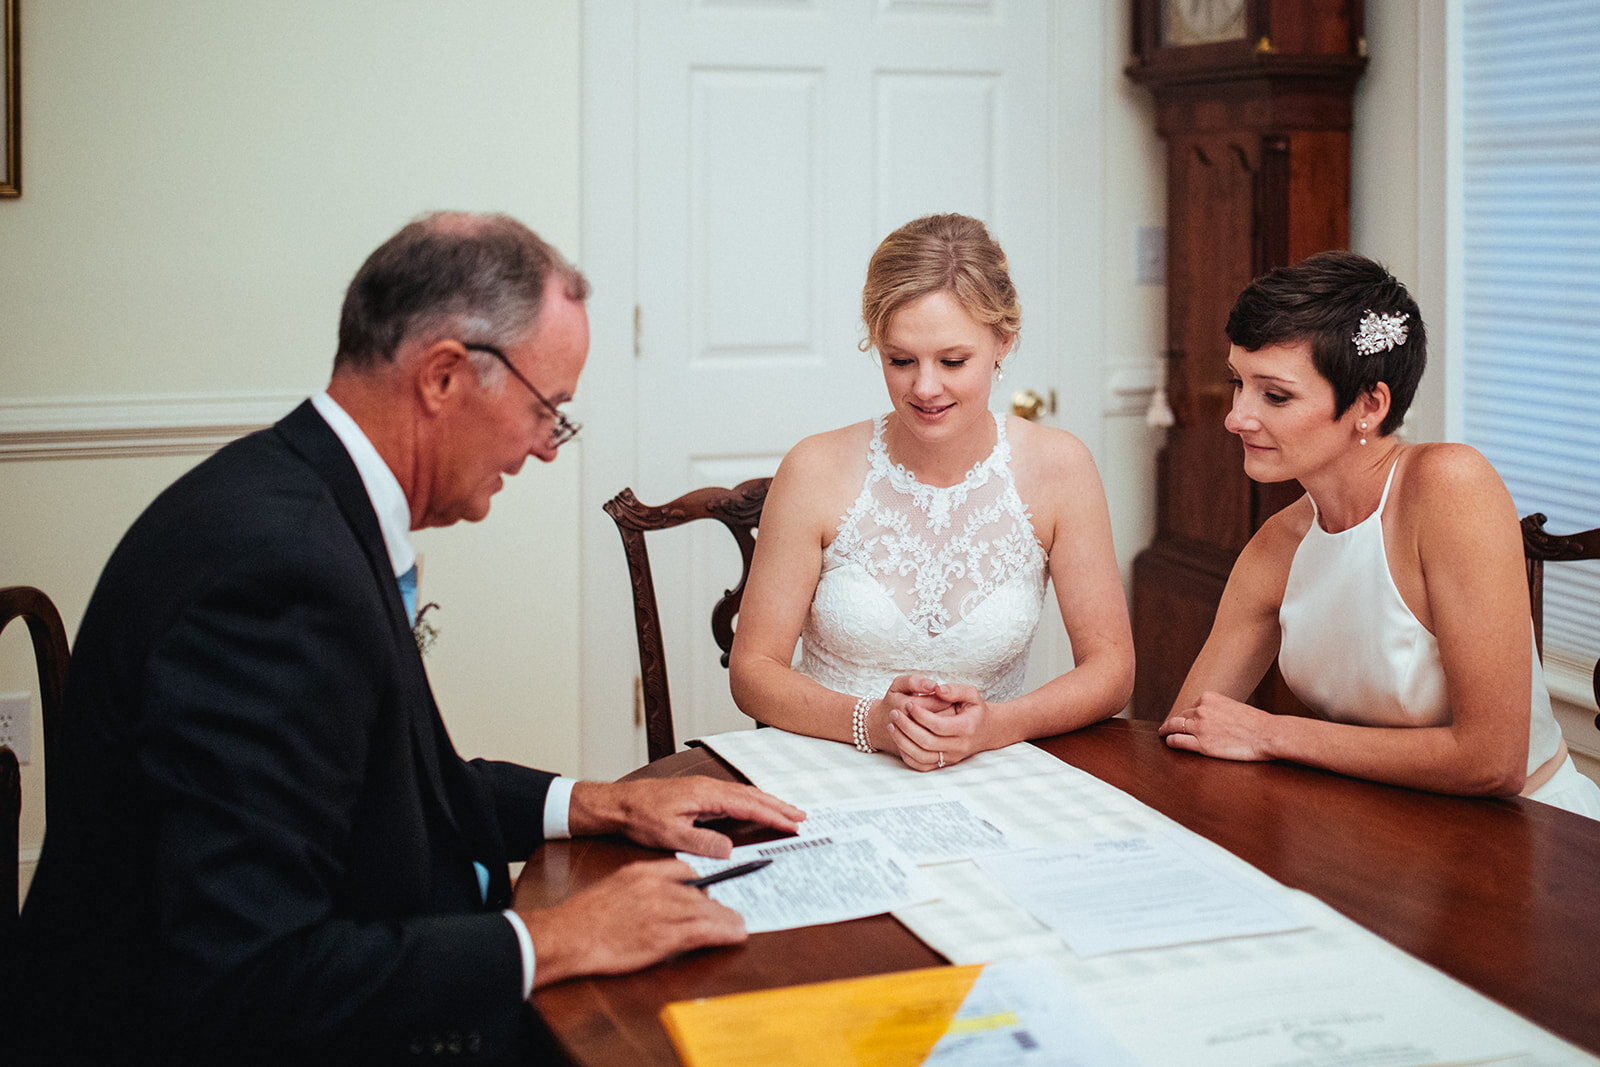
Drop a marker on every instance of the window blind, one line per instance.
(1531, 247)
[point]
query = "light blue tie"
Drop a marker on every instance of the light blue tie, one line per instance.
(483, 880)
(408, 591)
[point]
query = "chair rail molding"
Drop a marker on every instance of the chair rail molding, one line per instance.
(39, 428)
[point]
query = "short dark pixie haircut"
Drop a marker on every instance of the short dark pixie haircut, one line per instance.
(480, 278)
(1322, 300)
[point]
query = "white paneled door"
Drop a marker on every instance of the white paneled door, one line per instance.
(775, 143)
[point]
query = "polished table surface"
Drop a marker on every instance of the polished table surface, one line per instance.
(1503, 895)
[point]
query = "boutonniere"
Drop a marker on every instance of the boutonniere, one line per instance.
(423, 631)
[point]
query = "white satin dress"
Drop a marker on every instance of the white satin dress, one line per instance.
(1353, 652)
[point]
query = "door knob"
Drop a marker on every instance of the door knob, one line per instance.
(1030, 405)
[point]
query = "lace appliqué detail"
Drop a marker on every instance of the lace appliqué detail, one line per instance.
(948, 580)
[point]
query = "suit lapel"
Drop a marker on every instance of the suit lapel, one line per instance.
(305, 431)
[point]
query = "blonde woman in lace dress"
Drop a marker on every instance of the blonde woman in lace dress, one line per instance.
(908, 556)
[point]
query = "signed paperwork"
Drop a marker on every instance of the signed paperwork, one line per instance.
(824, 878)
(930, 827)
(851, 860)
(1323, 992)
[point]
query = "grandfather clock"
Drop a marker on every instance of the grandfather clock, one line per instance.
(1253, 98)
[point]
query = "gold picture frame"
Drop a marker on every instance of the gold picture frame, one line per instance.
(11, 88)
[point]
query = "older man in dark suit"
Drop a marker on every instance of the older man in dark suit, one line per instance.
(262, 844)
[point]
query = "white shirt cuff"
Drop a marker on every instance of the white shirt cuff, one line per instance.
(526, 944)
(558, 809)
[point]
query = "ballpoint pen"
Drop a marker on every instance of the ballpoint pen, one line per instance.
(725, 874)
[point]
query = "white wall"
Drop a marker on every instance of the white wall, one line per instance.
(200, 181)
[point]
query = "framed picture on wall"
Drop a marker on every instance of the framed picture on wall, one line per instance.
(11, 87)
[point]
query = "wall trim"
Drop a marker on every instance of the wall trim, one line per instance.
(156, 425)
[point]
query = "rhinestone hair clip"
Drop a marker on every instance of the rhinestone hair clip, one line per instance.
(1380, 333)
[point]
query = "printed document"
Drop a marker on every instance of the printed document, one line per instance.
(1144, 891)
(931, 827)
(814, 880)
(1341, 999)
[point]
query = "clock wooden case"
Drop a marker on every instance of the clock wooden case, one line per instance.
(1253, 99)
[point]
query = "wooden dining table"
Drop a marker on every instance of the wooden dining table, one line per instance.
(1501, 894)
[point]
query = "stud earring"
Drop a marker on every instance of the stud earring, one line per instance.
(1363, 432)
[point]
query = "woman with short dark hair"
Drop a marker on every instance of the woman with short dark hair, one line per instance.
(1393, 594)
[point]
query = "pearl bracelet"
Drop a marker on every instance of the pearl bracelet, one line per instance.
(858, 725)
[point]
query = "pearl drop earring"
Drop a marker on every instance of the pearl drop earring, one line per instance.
(1363, 432)
(999, 373)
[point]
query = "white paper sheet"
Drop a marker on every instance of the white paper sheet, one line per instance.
(931, 827)
(1021, 1013)
(1346, 999)
(1325, 994)
(814, 880)
(1143, 891)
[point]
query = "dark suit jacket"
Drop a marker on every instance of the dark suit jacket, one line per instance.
(261, 843)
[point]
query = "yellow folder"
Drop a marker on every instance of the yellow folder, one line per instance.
(885, 1020)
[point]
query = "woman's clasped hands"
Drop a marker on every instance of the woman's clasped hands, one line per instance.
(932, 725)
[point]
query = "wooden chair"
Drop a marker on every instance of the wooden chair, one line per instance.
(1540, 547)
(739, 509)
(50, 658)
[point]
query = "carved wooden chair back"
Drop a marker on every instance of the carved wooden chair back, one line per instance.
(50, 658)
(739, 509)
(1540, 547)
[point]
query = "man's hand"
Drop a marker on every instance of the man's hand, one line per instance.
(661, 812)
(634, 917)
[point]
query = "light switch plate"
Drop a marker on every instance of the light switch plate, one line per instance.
(1150, 255)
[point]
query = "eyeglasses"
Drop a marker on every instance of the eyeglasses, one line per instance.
(564, 429)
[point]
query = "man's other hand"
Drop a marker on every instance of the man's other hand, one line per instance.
(662, 812)
(630, 919)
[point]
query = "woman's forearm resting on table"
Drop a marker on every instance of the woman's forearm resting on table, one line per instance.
(1440, 759)
(1094, 690)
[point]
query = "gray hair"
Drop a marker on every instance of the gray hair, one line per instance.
(477, 278)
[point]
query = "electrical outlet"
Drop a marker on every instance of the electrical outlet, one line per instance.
(1150, 255)
(16, 715)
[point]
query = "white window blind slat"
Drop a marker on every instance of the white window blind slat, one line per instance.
(1531, 235)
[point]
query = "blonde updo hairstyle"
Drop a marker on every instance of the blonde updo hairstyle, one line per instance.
(940, 253)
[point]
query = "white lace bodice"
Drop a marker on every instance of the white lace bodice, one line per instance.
(947, 581)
